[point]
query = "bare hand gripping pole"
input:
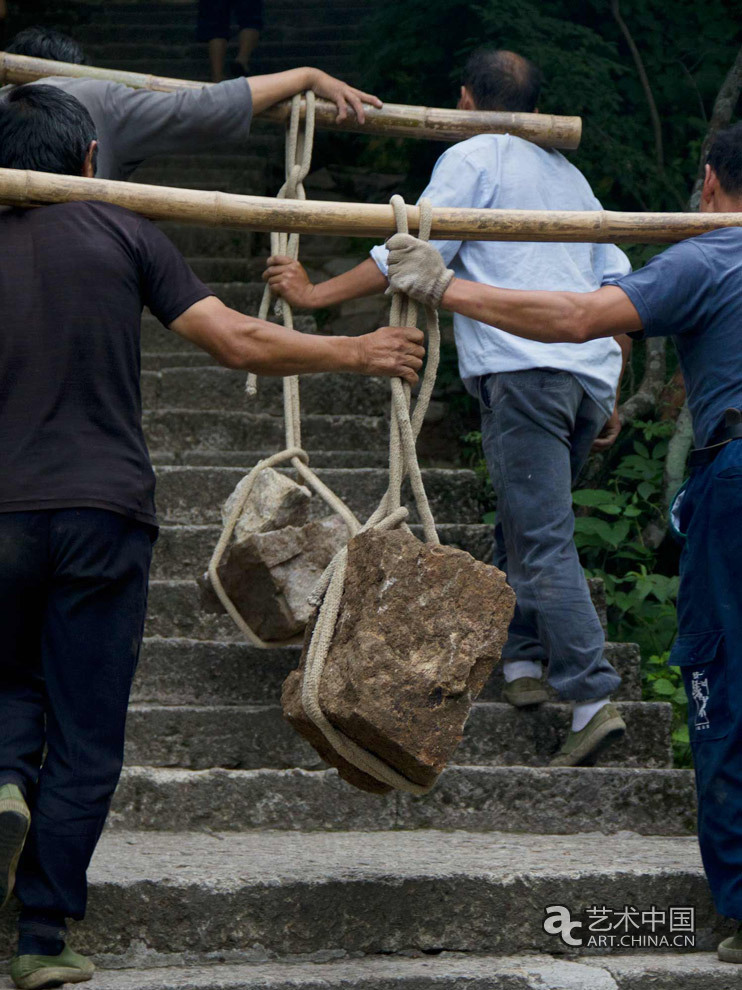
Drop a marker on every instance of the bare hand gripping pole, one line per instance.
(393, 120)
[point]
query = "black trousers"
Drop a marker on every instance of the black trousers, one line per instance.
(73, 596)
(214, 17)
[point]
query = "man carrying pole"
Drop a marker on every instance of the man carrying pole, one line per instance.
(692, 292)
(542, 408)
(134, 125)
(77, 515)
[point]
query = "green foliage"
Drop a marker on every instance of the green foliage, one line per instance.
(663, 683)
(416, 52)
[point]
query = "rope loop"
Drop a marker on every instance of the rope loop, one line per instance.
(298, 163)
(403, 432)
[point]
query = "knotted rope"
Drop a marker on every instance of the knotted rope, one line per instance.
(403, 433)
(298, 162)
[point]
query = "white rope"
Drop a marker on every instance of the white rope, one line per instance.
(298, 162)
(403, 432)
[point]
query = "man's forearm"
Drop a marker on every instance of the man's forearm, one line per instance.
(365, 279)
(268, 349)
(550, 317)
(270, 89)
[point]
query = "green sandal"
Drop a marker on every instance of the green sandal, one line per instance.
(43, 972)
(15, 819)
(524, 692)
(581, 749)
(730, 950)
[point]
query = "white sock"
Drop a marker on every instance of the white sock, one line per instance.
(513, 669)
(583, 711)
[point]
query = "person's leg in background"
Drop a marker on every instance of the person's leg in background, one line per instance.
(249, 23)
(537, 428)
(708, 651)
(91, 635)
(213, 28)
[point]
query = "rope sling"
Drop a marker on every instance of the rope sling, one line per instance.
(404, 429)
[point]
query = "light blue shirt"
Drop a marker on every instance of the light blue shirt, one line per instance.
(497, 171)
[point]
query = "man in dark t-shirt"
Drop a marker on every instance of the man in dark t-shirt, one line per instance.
(692, 292)
(77, 513)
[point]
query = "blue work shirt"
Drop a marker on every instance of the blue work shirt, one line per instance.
(497, 171)
(693, 292)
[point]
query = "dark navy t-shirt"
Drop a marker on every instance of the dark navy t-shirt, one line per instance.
(73, 280)
(693, 292)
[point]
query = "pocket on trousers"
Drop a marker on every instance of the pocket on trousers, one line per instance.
(702, 661)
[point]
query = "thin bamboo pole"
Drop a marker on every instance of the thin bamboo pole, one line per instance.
(393, 120)
(215, 209)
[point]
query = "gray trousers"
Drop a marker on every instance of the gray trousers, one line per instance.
(537, 430)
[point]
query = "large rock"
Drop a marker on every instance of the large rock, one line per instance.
(419, 631)
(269, 576)
(274, 502)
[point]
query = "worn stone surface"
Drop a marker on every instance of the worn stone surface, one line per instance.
(252, 736)
(443, 971)
(274, 502)
(270, 576)
(419, 631)
(547, 800)
(284, 893)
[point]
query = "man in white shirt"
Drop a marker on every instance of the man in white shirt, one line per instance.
(543, 406)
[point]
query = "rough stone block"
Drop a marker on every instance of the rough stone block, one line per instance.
(419, 631)
(269, 576)
(274, 502)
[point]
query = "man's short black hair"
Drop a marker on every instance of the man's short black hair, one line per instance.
(725, 158)
(41, 42)
(502, 80)
(44, 129)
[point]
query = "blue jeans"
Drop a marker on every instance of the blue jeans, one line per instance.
(537, 429)
(73, 594)
(708, 651)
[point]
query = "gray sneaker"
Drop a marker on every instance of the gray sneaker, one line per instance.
(15, 819)
(524, 692)
(730, 950)
(581, 749)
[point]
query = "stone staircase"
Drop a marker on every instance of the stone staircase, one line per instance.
(232, 858)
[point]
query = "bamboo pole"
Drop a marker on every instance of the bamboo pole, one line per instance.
(215, 209)
(393, 120)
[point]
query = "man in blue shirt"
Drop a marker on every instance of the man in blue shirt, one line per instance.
(692, 292)
(542, 407)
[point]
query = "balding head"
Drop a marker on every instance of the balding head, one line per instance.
(502, 80)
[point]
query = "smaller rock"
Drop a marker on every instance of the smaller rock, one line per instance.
(270, 576)
(274, 502)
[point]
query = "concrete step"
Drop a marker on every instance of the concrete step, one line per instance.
(181, 32)
(245, 459)
(125, 48)
(182, 551)
(443, 971)
(221, 388)
(194, 672)
(197, 68)
(474, 799)
(194, 495)
(254, 737)
(262, 895)
(198, 241)
(203, 430)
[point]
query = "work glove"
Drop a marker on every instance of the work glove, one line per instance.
(417, 269)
